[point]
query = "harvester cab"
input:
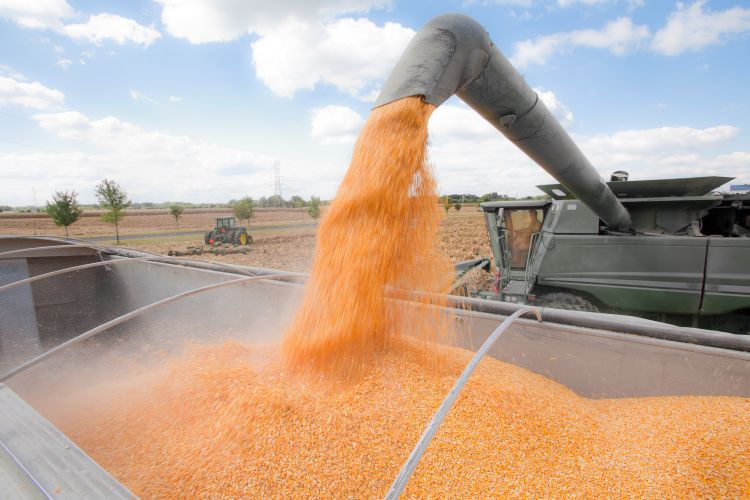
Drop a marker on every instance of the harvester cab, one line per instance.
(681, 261)
(226, 231)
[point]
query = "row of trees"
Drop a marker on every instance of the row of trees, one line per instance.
(472, 198)
(65, 210)
(244, 208)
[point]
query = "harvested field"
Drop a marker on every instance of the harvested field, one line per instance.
(462, 237)
(144, 222)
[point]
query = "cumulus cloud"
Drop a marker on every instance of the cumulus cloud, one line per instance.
(632, 4)
(618, 37)
(694, 27)
(140, 96)
(350, 54)
(557, 108)
(28, 94)
(51, 14)
(300, 43)
(655, 140)
(63, 63)
(119, 29)
(145, 162)
(335, 124)
(470, 156)
(36, 14)
(201, 21)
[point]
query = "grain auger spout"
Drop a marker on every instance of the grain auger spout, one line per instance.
(452, 54)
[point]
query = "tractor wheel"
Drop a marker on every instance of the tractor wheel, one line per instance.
(237, 238)
(208, 237)
(249, 239)
(567, 301)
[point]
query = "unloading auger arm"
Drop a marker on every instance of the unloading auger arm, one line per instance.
(453, 54)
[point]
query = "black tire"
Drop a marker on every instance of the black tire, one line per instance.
(567, 301)
(249, 239)
(207, 237)
(236, 238)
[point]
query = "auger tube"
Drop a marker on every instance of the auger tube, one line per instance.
(453, 54)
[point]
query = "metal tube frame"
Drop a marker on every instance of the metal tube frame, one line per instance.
(71, 269)
(437, 419)
(132, 314)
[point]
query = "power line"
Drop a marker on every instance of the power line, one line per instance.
(277, 180)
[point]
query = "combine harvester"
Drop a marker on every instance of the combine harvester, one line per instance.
(64, 303)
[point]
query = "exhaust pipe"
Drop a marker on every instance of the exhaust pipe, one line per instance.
(453, 54)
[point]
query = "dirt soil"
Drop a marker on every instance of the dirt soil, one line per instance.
(462, 237)
(144, 222)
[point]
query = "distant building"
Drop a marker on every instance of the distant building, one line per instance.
(739, 188)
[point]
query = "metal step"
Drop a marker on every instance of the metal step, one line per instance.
(38, 461)
(515, 287)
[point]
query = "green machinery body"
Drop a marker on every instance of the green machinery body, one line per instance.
(686, 258)
(227, 232)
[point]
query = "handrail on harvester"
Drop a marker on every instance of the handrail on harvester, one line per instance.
(437, 419)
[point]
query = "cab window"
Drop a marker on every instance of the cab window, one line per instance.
(520, 224)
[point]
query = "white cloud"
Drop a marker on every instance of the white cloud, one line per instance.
(619, 37)
(63, 63)
(569, 3)
(102, 27)
(36, 13)
(693, 28)
(201, 21)
(335, 124)
(175, 98)
(140, 96)
(50, 14)
(563, 114)
(28, 94)
(8, 71)
(470, 156)
(655, 140)
(147, 163)
(301, 43)
(632, 4)
(353, 55)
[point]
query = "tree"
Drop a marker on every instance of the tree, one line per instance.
(313, 209)
(446, 204)
(297, 201)
(176, 211)
(114, 200)
(64, 209)
(243, 209)
(457, 206)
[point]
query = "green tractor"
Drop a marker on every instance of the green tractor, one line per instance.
(226, 231)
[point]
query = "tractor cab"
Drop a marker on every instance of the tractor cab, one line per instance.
(226, 231)
(224, 222)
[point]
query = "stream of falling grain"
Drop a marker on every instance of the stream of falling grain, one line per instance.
(380, 232)
(215, 423)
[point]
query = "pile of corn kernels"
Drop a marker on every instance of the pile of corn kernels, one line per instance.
(226, 421)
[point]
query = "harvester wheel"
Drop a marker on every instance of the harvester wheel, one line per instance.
(567, 301)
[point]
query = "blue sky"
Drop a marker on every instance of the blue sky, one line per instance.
(195, 100)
